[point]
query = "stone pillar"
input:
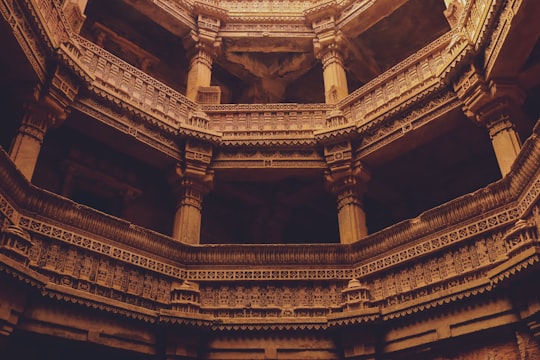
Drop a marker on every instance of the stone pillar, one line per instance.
(200, 72)
(335, 79)
(347, 179)
(495, 105)
(191, 181)
(26, 146)
(328, 45)
(203, 46)
(187, 220)
(505, 141)
(351, 215)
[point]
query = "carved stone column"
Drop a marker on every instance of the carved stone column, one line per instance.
(505, 140)
(496, 105)
(45, 108)
(192, 180)
(26, 146)
(328, 46)
(347, 179)
(200, 71)
(335, 79)
(204, 45)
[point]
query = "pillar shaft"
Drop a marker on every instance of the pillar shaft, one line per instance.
(335, 79)
(191, 181)
(187, 220)
(27, 144)
(351, 215)
(200, 73)
(506, 143)
(347, 179)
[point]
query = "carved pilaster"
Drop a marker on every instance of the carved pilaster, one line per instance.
(347, 180)
(191, 181)
(496, 105)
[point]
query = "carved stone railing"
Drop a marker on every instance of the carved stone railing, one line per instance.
(414, 77)
(122, 83)
(54, 23)
(269, 123)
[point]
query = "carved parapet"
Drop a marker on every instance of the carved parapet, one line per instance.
(15, 243)
(186, 298)
(355, 296)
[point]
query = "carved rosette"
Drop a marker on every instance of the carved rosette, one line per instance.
(15, 243)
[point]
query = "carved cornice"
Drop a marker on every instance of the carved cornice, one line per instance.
(396, 89)
(165, 142)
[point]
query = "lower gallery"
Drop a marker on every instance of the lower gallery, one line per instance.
(269, 179)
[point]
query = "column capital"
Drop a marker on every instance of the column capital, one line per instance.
(205, 40)
(344, 173)
(484, 99)
(331, 54)
(191, 178)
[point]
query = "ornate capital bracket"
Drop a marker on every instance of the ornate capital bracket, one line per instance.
(345, 177)
(192, 178)
(487, 102)
(204, 44)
